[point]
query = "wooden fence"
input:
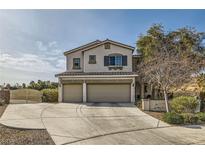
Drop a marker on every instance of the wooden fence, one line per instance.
(25, 96)
(4, 96)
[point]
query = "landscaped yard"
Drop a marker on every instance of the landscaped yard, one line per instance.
(157, 115)
(22, 136)
(184, 110)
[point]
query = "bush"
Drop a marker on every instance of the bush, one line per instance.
(184, 104)
(173, 118)
(50, 95)
(202, 99)
(201, 116)
(190, 118)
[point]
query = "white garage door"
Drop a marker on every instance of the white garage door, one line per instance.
(108, 92)
(72, 93)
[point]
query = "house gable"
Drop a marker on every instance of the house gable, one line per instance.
(98, 50)
(85, 46)
(97, 43)
(101, 53)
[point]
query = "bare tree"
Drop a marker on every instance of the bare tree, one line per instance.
(170, 60)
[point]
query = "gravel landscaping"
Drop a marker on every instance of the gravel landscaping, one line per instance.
(157, 115)
(22, 136)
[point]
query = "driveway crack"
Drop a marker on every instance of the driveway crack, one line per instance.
(41, 117)
(84, 118)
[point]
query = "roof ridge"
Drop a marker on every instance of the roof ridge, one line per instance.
(96, 43)
(118, 43)
(83, 46)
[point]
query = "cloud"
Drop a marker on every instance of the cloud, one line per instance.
(12, 76)
(30, 63)
(54, 52)
(41, 46)
(50, 48)
(52, 44)
(61, 64)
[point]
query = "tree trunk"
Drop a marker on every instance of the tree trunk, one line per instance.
(166, 100)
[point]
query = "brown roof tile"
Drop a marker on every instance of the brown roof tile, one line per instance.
(94, 73)
(97, 43)
(83, 46)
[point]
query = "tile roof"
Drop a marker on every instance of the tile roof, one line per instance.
(97, 43)
(94, 73)
(83, 46)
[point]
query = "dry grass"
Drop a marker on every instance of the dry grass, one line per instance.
(155, 114)
(26, 94)
(191, 87)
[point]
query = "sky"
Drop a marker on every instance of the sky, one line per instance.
(32, 42)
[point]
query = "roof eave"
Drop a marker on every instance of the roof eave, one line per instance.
(98, 43)
(92, 76)
(82, 47)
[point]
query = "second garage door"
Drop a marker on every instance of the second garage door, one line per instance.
(72, 93)
(108, 93)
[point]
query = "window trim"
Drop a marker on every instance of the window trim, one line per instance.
(92, 61)
(76, 67)
(115, 60)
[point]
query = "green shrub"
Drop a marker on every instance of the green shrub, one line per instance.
(173, 118)
(201, 116)
(190, 118)
(184, 104)
(50, 95)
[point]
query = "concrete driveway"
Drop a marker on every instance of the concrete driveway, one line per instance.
(103, 123)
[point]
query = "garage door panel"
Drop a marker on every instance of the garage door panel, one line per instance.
(108, 93)
(72, 93)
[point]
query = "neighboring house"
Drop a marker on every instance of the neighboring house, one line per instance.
(101, 71)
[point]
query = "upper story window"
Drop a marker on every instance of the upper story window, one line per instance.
(115, 60)
(76, 63)
(92, 59)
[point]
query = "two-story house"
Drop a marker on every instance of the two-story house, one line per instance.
(100, 71)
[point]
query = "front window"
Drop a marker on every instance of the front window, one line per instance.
(115, 60)
(76, 63)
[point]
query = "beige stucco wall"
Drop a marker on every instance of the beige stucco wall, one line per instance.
(159, 105)
(69, 61)
(153, 105)
(100, 52)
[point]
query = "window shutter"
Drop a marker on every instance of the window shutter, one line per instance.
(106, 60)
(124, 60)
